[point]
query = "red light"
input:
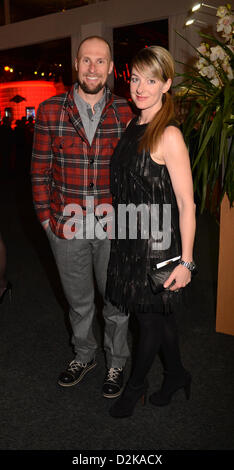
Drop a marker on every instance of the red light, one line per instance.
(128, 73)
(34, 92)
(6, 68)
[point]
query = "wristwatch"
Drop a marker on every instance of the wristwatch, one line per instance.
(190, 266)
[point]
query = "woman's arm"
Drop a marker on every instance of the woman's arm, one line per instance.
(176, 158)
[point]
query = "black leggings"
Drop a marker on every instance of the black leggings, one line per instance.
(157, 334)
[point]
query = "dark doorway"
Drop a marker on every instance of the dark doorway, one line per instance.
(130, 39)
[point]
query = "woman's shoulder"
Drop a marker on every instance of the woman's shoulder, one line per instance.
(173, 123)
(172, 130)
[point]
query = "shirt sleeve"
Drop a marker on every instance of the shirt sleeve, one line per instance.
(41, 166)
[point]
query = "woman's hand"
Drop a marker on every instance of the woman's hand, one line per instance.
(180, 277)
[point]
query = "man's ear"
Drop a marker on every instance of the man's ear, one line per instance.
(111, 67)
(76, 64)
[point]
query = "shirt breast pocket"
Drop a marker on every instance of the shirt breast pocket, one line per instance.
(64, 148)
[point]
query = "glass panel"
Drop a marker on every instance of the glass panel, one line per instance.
(130, 39)
(48, 61)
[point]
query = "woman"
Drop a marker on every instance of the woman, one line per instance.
(151, 166)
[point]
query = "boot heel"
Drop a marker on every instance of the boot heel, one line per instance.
(168, 388)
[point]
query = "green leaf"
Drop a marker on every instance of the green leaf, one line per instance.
(209, 126)
(210, 133)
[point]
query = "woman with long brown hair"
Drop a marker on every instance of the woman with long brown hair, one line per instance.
(151, 168)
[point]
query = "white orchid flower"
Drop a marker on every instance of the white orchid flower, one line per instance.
(215, 82)
(208, 72)
(222, 11)
(201, 63)
(203, 49)
(217, 53)
(225, 24)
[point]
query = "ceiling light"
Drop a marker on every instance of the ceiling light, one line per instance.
(196, 7)
(189, 22)
(194, 20)
(199, 5)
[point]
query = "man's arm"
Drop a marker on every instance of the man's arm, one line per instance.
(41, 167)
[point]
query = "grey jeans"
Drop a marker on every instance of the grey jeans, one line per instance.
(78, 262)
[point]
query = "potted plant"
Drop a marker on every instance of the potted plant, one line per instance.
(206, 93)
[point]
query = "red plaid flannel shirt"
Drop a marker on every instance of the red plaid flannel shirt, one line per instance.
(65, 168)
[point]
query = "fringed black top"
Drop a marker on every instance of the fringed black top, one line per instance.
(137, 180)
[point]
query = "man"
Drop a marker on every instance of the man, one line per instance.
(75, 136)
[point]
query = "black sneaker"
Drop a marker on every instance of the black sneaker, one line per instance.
(75, 372)
(113, 382)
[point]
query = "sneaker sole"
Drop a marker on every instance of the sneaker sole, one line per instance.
(80, 378)
(115, 395)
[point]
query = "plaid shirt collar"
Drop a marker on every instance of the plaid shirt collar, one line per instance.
(69, 101)
(70, 106)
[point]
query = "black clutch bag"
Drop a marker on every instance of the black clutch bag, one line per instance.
(160, 272)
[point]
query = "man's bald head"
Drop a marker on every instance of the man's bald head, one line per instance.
(99, 38)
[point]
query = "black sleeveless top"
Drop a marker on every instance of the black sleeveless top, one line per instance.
(137, 180)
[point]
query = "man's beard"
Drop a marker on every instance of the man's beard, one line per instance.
(91, 91)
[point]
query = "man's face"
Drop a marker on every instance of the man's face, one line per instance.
(93, 66)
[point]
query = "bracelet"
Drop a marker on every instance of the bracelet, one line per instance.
(189, 265)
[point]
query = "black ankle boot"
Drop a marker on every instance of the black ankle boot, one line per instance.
(125, 405)
(8, 289)
(171, 383)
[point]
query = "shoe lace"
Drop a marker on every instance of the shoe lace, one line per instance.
(75, 365)
(113, 373)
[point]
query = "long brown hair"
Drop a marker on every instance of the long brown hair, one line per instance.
(159, 63)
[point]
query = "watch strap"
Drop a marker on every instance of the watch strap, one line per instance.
(189, 265)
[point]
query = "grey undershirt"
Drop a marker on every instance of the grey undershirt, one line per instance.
(89, 119)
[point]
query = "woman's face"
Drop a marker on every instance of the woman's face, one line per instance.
(147, 91)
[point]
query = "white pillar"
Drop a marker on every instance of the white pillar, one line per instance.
(75, 41)
(181, 51)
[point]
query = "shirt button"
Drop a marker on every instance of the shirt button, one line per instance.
(91, 185)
